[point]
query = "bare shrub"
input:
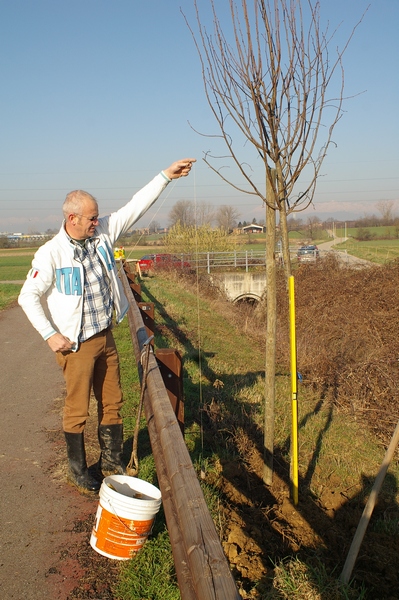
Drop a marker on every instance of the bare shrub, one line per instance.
(347, 336)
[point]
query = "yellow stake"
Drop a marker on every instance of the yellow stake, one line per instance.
(294, 380)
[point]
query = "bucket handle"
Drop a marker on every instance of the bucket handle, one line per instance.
(122, 522)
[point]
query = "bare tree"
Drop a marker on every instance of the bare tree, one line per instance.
(386, 207)
(294, 224)
(313, 225)
(266, 81)
(182, 212)
(154, 226)
(226, 217)
(204, 214)
(189, 213)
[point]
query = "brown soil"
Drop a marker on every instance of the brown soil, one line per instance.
(262, 526)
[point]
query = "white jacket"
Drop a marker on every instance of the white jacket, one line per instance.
(59, 277)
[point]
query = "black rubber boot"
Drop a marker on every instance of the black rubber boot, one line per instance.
(78, 473)
(111, 444)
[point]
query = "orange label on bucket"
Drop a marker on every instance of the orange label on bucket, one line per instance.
(118, 537)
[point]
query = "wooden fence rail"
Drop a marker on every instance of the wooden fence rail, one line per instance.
(201, 567)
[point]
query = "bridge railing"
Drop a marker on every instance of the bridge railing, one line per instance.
(235, 259)
(224, 260)
(241, 259)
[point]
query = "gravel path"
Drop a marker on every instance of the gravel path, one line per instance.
(39, 512)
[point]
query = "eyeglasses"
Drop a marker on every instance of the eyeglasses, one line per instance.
(92, 219)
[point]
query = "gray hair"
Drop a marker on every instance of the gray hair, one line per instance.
(74, 201)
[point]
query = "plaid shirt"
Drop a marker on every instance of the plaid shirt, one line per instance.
(97, 297)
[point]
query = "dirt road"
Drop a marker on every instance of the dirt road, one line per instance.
(43, 521)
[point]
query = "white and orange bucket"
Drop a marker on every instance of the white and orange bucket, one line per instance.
(125, 516)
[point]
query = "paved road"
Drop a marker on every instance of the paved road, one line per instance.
(38, 510)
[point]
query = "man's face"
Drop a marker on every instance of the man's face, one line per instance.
(83, 225)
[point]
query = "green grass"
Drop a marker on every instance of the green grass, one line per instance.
(377, 251)
(150, 575)
(382, 231)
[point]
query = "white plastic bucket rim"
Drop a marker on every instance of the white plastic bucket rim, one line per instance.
(130, 497)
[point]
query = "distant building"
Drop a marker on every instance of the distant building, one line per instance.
(253, 228)
(18, 238)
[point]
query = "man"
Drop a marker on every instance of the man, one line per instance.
(76, 274)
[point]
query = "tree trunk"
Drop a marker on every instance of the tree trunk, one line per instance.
(270, 366)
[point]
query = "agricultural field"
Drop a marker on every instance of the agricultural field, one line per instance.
(378, 232)
(15, 267)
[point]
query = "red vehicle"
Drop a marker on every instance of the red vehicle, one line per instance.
(151, 262)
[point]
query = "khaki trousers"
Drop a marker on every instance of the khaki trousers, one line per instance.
(94, 365)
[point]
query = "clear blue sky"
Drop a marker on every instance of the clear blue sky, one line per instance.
(99, 94)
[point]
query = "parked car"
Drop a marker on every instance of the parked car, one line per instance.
(149, 263)
(308, 254)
